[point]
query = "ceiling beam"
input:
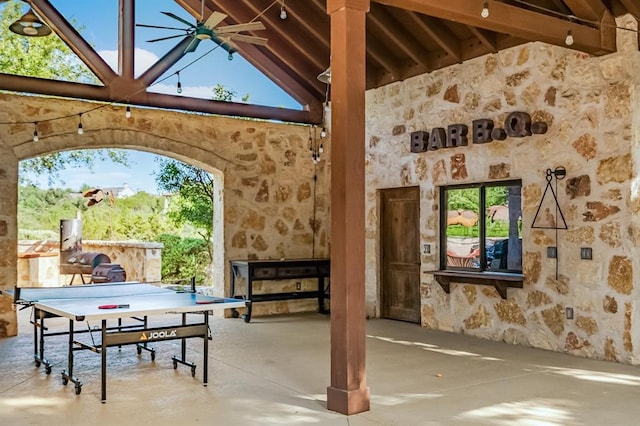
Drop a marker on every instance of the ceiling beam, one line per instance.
(395, 33)
(487, 38)
(272, 67)
(74, 40)
(632, 6)
(126, 38)
(73, 90)
(163, 64)
(516, 21)
(592, 10)
(441, 35)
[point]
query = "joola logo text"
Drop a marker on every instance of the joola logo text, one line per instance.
(162, 334)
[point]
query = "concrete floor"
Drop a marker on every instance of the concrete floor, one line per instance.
(275, 370)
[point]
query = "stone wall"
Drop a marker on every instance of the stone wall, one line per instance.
(269, 197)
(590, 105)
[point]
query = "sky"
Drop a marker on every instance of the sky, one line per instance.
(98, 23)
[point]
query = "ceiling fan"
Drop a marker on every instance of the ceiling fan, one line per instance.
(223, 36)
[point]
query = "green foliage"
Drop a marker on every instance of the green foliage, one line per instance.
(183, 258)
(221, 93)
(139, 217)
(193, 197)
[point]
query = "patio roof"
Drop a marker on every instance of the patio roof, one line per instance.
(405, 38)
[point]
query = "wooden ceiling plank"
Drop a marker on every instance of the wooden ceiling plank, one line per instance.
(289, 58)
(380, 54)
(396, 34)
(442, 36)
(316, 24)
(284, 32)
(516, 21)
(592, 10)
(632, 6)
(74, 40)
(486, 37)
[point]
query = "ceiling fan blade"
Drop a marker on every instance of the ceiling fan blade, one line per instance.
(192, 46)
(177, 18)
(249, 26)
(214, 19)
(157, 26)
(164, 38)
(249, 39)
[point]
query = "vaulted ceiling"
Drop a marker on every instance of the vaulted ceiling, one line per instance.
(405, 38)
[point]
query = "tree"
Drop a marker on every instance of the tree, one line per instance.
(47, 57)
(193, 203)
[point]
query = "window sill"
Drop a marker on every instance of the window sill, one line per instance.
(500, 280)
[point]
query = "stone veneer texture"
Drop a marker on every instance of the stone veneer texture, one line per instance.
(591, 108)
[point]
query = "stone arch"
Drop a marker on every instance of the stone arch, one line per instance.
(273, 205)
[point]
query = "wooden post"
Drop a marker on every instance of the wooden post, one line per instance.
(348, 393)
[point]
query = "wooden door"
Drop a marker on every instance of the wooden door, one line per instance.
(400, 243)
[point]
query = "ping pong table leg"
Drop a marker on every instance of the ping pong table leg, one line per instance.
(67, 376)
(205, 351)
(103, 348)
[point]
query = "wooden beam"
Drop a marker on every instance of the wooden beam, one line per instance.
(309, 94)
(592, 10)
(83, 91)
(396, 34)
(486, 37)
(348, 392)
(126, 38)
(74, 40)
(441, 35)
(632, 6)
(516, 21)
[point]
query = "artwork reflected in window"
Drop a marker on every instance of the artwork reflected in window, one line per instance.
(482, 226)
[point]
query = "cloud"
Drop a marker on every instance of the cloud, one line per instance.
(143, 59)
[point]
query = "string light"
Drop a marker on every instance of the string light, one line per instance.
(127, 112)
(485, 10)
(569, 40)
(283, 11)
(35, 132)
(323, 132)
(179, 86)
(80, 129)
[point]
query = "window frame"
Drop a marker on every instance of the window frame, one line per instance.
(482, 231)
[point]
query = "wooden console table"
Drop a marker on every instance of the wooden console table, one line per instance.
(272, 270)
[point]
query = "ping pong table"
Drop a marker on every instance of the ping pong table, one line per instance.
(115, 301)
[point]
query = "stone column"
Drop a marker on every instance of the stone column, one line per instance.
(348, 393)
(8, 239)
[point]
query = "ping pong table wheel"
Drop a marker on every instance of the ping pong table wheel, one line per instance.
(65, 380)
(139, 349)
(235, 313)
(193, 371)
(175, 364)
(78, 388)
(246, 318)
(47, 369)
(37, 362)
(153, 355)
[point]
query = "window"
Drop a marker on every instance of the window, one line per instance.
(482, 227)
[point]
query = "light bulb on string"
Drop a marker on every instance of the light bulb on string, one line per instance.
(569, 40)
(321, 149)
(283, 11)
(80, 129)
(35, 132)
(179, 85)
(485, 10)
(323, 132)
(127, 112)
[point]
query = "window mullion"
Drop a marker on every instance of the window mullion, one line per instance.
(482, 232)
